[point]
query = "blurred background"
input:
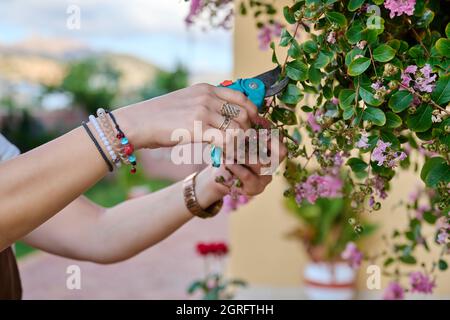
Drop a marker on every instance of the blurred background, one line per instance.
(53, 74)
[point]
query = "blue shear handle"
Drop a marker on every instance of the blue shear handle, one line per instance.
(253, 88)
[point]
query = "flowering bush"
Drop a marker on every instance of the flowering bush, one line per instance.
(214, 285)
(379, 74)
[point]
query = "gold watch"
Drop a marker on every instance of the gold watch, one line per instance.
(190, 199)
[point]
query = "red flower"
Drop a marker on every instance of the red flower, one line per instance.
(202, 249)
(216, 248)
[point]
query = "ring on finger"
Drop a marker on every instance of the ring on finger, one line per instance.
(230, 110)
(225, 123)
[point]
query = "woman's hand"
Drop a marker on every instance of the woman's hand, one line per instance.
(150, 124)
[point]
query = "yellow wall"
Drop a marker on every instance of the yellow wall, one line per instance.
(261, 254)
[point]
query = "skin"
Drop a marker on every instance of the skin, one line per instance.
(40, 191)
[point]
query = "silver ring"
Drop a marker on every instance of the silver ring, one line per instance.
(230, 110)
(225, 123)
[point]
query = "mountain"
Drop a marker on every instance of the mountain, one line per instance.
(39, 60)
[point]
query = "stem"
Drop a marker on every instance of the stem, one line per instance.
(293, 38)
(416, 35)
(418, 95)
(373, 61)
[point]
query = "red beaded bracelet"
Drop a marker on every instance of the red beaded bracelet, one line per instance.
(127, 146)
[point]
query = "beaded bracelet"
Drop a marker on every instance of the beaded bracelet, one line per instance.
(97, 145)
(103, 138)
(127, 146)
(104, 121)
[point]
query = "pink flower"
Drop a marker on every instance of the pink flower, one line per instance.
(267, 33)
(442, 236)
(317, 186)
(352, 255)
(384, 156)
(394, 291)
(423, 79)
(399, 7)
(313, 122)
(264, 37)
(335, 101)
(380, 186)
(331, 38)
(421, 282)
(233, 202)
(194, 10)
(363, 142)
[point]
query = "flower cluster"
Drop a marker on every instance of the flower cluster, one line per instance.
(421, 282)
(443, 228)
(399, 7)
(213, 248)
(267, 33)
(352, 255)
(394, 291)
(317, 186)
(422, 79)
(384, 156)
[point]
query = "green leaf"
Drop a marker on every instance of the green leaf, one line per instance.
(353, 34)
(314, 75)
(447, 30)
(443, 47)
(425, 19)
(285, 38)
(292, 94)
(322, 60)
(408, 259)
(295, 50)
(441, 93)
(400, 100)
(388, 261)
(358, 66)
(375, 115)
(274, 54)
(383, 53)
(435, 170)
(194, 286)
(284, 116)
(393, 120)
(357, 164)
(366, 94)
(420, 121)
(297, 70)
(309, 46)
(346, 98)
(353, 5)
(348, 113)
(289, 15)
(337, 18)
(442, 265)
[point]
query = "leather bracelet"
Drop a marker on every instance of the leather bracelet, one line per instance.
(190, 199)
(100, 150)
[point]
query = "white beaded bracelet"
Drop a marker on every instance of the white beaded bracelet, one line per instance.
(105, 141)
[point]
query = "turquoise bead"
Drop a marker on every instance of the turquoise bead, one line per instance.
(132, 158)
(124, 141)
(216, 155)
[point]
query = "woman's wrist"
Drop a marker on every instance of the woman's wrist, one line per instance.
(124, 117)
(207, 189)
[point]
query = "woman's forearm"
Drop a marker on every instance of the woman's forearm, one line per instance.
(134, 225)
(38, 184)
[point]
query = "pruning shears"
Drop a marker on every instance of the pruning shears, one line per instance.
(257, 89)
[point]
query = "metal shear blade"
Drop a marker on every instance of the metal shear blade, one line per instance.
(271, 81)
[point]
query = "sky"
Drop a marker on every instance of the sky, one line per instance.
(150, 29)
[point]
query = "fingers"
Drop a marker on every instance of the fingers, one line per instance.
(252, 184)
(236, 97)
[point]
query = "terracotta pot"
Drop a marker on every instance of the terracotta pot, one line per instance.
(329, 281)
